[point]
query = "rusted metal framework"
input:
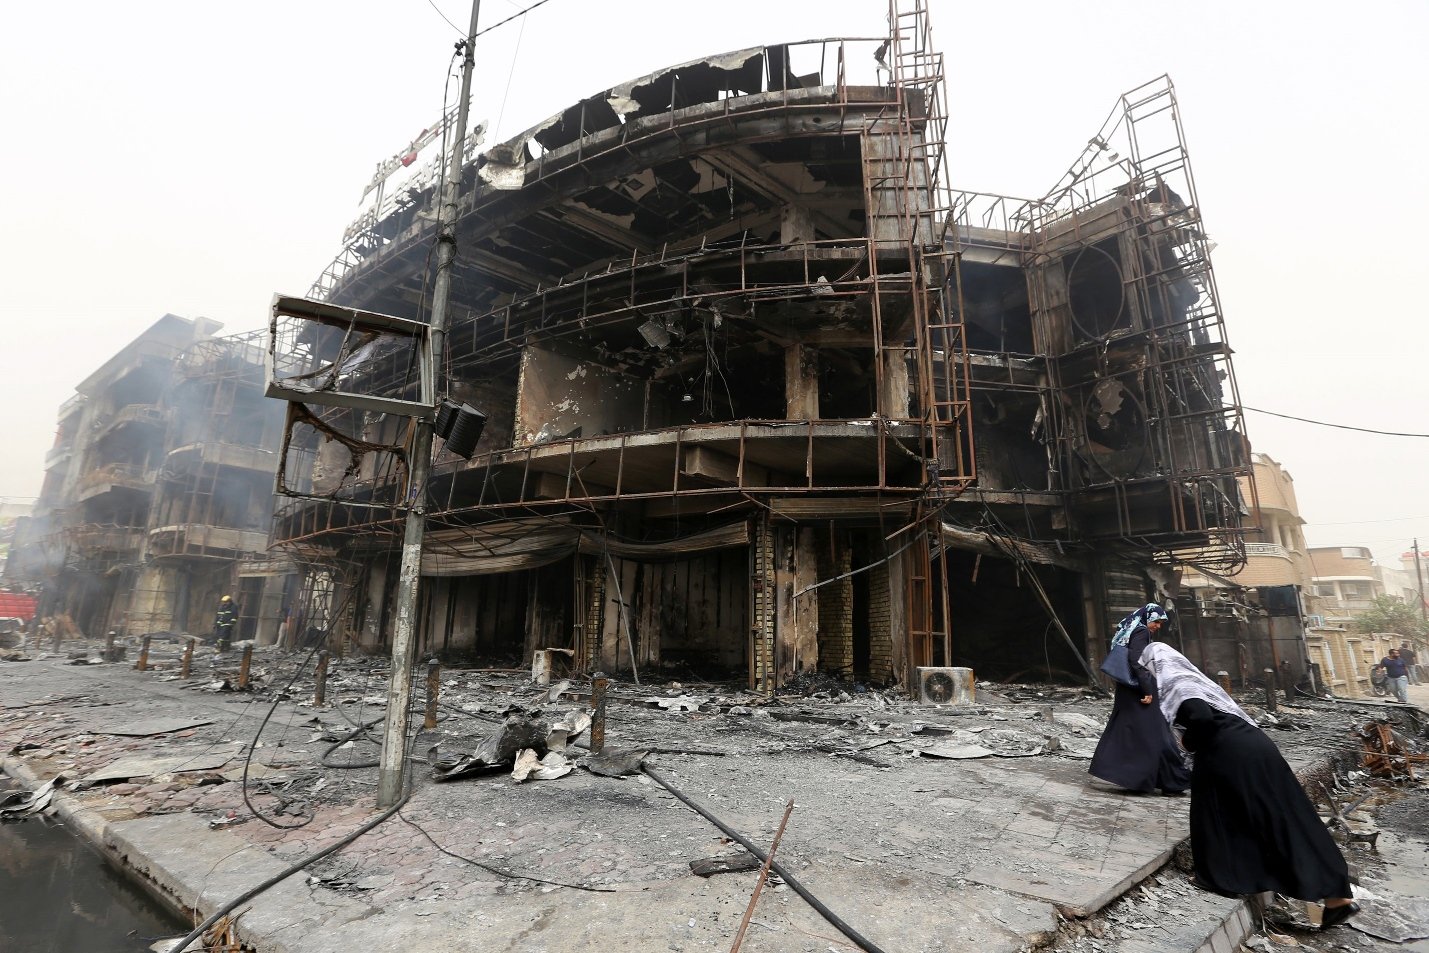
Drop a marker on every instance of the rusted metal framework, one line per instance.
(741, 291)
(1138, 410)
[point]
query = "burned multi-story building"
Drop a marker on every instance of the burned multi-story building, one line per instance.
(763, 395)
(158, 492)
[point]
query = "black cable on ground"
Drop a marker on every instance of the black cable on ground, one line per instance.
(252, 892)
(355, 732)
(278, 698)
(501, 872)
(813, 901)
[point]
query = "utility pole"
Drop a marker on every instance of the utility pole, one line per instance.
(1419, 575)
(392, 766)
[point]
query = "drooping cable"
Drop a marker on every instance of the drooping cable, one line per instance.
(1322, 423)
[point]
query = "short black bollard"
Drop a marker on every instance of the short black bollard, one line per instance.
(598, 687)
(143, 663)
(320, 692)
(1270, 703)
(188, 658)
(434, 688)
(244, 666)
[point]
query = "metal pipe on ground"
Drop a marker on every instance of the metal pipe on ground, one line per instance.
(863, 942)
(763, 878)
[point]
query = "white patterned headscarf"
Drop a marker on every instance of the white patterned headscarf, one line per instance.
(1177, 680)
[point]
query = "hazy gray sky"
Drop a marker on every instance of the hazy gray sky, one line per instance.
(185, 157)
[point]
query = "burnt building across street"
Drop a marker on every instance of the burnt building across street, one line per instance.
(763, 394)
(158, 492)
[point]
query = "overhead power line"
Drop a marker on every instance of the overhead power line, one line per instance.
(1322, 423)
(512, 17)
(519, 13)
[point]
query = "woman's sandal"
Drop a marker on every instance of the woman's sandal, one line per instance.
(1334, 916)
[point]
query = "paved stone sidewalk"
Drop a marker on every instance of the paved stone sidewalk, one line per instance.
(918, 853)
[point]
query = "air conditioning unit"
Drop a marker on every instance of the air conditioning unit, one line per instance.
(945, 686)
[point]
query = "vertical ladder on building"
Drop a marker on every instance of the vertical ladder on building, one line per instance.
(925, 208)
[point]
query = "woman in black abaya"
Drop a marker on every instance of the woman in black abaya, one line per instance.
(1252, 827)
(1137, 750)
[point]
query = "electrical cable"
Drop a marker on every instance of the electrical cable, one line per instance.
(278, 699)
(813, 901)
(313, 858)
(287, 872)
(444, 17)
(500, 872)
(509, 19)
(355, 732)
(1322, 423)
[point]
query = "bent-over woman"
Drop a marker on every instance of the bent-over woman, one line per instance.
(1137, 750)
(1252, 827)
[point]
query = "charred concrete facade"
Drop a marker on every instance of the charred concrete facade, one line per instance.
(765, 396)
(159, 487)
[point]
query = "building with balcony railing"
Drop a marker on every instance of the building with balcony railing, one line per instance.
(764, 395)
(159, 486)
(1252, 619)
(1345, 584)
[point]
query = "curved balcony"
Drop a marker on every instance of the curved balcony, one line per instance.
(113, 477)
(197, 540)
(57, 455)
(592, 166)
(134, 415)
(1268, 549)
(186, 459)
(91, 539)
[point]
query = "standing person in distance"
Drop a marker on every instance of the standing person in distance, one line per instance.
(1398, 675)
(1411, 662)
(223, 622)
(1137, 750)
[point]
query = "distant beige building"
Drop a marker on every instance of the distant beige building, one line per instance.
(1275, 551)
(1345, 582)
(1250, 620)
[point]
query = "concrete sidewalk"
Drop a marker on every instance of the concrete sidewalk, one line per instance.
(915, 852)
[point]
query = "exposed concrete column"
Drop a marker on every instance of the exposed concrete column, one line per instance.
(796, 225)
(894, 397)
(151, 605)
(796, 617)
(594, 610)
(899, 568)
(763, 586)
(801, 382)
(880, 625)
(182, 597)
(270, 610)
(835, 558)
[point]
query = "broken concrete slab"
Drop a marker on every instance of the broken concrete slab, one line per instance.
(142, 767)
